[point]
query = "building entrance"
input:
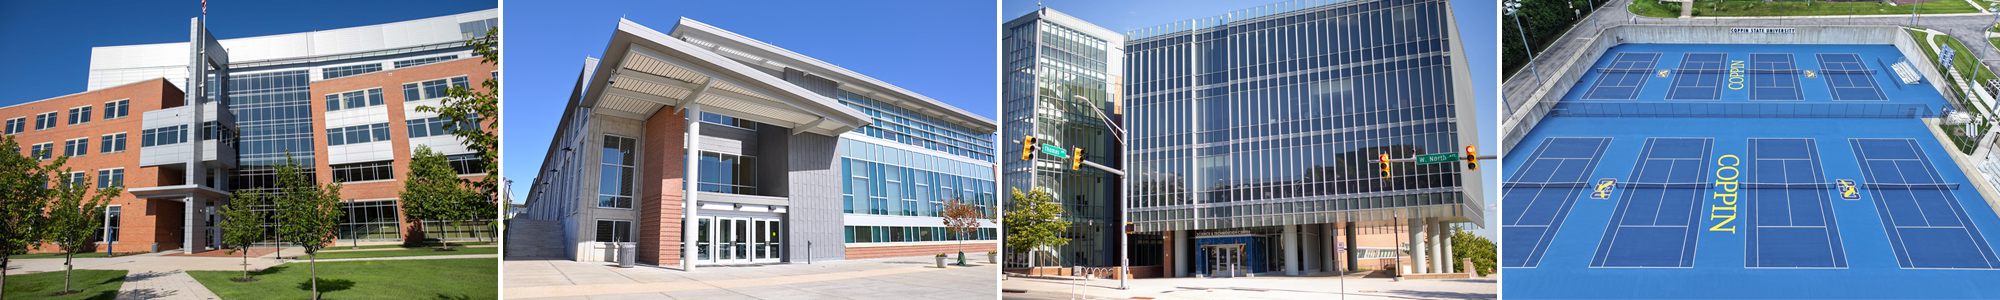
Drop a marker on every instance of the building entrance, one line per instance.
(1226, 260)
(739, 240)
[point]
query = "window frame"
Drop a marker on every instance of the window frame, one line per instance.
(70, 147)
(104, 176)
(50, 118)
(80, 112)
(420, 87)
(596, 237)
(122, 106)
(630, 170)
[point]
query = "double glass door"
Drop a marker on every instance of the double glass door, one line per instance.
(1226, 260)
(731, 240)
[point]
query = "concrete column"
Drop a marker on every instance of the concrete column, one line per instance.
(191, 224)
(1437, 247)
(1416, 248)
(1181, 244)
(1291, 236)
(1353, 248)
(1327, 250)
(1449, 260)
(692, 159)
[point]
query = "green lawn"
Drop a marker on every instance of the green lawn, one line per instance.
(476, 278)
(406, 252)
(1656, 9)
(430, 245)
(95, 284)
(1757, 8)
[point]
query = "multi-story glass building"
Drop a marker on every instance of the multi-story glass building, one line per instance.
(340, 102)
(794, 159)
(1050, 59)
(1255, 134)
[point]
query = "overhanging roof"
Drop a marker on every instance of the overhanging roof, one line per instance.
(644, 71)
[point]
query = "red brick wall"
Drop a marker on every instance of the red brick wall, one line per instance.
(391, 82)
(660, 199)
(971, 251)
(144, 222)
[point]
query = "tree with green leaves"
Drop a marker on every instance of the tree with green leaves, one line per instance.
(961, 219)
(432, 191)
(22, 206)
(1033, 222)
(309, 213)
(243, 224)
(475, 119)
(1464, 244)
(75, 216)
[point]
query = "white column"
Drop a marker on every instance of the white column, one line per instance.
(692, 159)
(1329, 252)
(1181, 243)
(1291, 236)
(1416, 248)
(1448, 260)
(191, 225)
(1437, 247)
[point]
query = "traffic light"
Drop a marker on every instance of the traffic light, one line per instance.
(1130, 229)
(1384, 158)
(1471, 158)
(1076, 159)
(1028, 148)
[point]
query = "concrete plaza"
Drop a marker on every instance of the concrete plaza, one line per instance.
(914, 277)
(1318, 286)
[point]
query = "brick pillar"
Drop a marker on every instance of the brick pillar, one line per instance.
(660, 175)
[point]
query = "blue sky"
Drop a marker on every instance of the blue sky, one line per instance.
(1476, 20)
(946, 50)
(53, 38)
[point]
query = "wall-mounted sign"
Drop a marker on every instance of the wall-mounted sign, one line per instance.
(1764, 30)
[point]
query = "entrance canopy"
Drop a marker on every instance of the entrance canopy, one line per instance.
(644, 71)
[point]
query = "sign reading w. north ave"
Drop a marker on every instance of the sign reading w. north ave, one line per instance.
(1437, 158)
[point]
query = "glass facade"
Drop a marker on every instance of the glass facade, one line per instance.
(373, 220)
(909, 126)
(1288, 111)
(885, 180)
(1046, 66)
(274, 119)
(891, 234)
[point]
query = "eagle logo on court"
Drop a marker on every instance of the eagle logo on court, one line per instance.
(1810, 74)
(1663, 73)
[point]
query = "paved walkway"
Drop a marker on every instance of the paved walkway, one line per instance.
(885, 278)
(1352, 287)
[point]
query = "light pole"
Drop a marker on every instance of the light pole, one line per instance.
(1514, 9)
(1117, 133)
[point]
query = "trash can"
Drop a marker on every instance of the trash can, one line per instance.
(628, 254)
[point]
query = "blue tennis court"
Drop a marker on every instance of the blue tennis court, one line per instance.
(1789, 221)
(1699, 77)
(1550, 182)
(1927, 227)
(1624, 78)
(1654, 224)
(1847, 78)
(1773, 76)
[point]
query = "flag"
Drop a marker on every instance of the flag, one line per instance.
(204, 7)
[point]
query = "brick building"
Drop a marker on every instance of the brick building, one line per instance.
(341, 101)
(796, 159)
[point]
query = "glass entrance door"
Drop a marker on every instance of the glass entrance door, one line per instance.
(1226, 260)
(742, 239)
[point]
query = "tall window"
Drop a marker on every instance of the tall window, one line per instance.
(79, 115)
(371, 220)
(728, 173)
(117, 109)
(357, 134)
(614, 231)
(16, 125)
(380, 170)
(112, 215)
(431, 89)
(42, 151)
(110, 178)
(76, 147)
(112, 143)
(163, 136)
(354, 99)
(45, 121)
(614, 181)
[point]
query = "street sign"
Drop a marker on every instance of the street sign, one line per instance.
(1053, 150)
(1437, 158)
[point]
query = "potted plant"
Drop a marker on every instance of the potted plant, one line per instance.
(940, 260)
(993, 257)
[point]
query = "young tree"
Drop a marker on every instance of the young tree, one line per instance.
(432, 191)
(75, 217)
(1464, 244)
(22, 206)
(475, 119)
(309, 213)
(961, 218)
(243, 224)
(1035, 221)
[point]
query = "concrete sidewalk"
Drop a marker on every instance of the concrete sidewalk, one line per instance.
(886, 278)
(1356, 287)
